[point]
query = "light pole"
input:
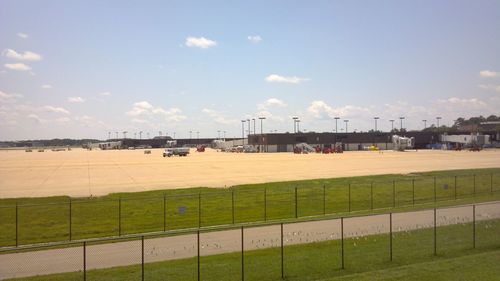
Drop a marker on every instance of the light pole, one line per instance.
(437, 121)
(243, 131)
(248, 121)
(298, 123)
(376, 118)
(425, 123)
(254, 132)
(336, 119)
(124, 134)
(261, 141)
(392, 125)
(295, 118)
(346, 121)
(140, 135)
(401, 125)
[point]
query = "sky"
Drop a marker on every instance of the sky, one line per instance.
(82, 69)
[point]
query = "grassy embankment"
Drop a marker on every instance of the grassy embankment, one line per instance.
(48, 219)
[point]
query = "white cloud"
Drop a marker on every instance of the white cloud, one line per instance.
(145, 111)
(76, 99)
(5, 97)
(36, 118)
(22, 35)
(105, 94)
(254, 39)
(272, 102)
(458, 102)
(54, 109)
(17, 66)
(200, 42)
(489, 74)
(269, 116)
(285, 79)
(218, 117)
(321, 110)
(490, 87)
(27, 55)
(46, 86)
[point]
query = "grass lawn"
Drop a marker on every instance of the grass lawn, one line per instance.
(366, 258)
(56, 218)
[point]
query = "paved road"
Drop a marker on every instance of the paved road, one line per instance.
(185, 246)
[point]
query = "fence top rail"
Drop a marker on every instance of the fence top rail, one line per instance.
(208, 229)
(229, 190)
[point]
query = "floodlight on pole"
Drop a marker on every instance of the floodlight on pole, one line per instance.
(392, 124)
(425, 123)
(253, 119)
(140, 135)
(437, 122)
(346, 121)
(401, 124)
(248, 121)
(124, 134)
(243, 131)
(336, 119)
(298, 127)
(295, 118)
(376, 118)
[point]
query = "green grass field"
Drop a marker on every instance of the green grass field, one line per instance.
(366, 258)
(54, 218)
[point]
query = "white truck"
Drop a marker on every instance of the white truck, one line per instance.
(180, 151)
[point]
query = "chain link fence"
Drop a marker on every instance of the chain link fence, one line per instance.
(295, 251)
(77, 219)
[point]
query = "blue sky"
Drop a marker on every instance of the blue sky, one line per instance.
(82, 69)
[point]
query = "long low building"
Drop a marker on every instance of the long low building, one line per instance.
(349, 141)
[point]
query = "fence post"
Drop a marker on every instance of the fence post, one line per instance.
(296, 204)
(142, 257)
(435, 190)
(119, 216)
(17, 224)
(199, 210)
(84, 260)
(324, 200)
(390, 236)
(198, 250)
(282, 256)
(455, 187)
(265, 203)
(70, 236)
(232, 204)
(371, 195)
(349, 208)
(413, 191)
(342, 239)
(164, 212)
(394, 194)
(435, 233)
(242, 255)
(473, 226)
